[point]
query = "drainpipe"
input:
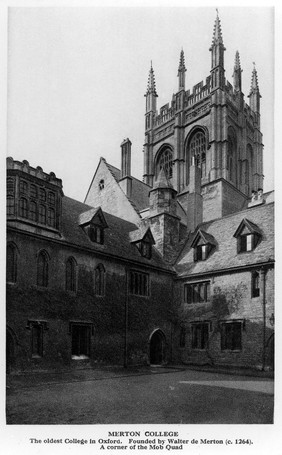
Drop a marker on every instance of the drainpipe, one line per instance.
(263, 302)
(126, 321)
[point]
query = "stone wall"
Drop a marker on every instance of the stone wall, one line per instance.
(58, 308)
(231, 299)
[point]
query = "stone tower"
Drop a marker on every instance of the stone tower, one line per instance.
(211, 126)
(164, 222)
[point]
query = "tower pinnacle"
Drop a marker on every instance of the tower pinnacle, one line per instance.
(254, 83)
(151, 87)
(217, 33)
(181, 71)
(217, 56)
(237, 80)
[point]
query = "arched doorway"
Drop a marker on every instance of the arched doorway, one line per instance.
(157, 348)
(10, 351)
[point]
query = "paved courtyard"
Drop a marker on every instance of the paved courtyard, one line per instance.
(139, 396)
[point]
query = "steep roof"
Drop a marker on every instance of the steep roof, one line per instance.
(140, 190)
(225, 255)
(140, 193)
(116, 242)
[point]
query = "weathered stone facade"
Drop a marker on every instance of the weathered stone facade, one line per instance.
(178, 268)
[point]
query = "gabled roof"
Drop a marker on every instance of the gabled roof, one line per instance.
(204, 237)
(225, 254)
(246, 226)
(140, 190)
(94, 215)
(143, 233)
(116, 241)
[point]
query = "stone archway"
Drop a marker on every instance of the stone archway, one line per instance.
(157, 348)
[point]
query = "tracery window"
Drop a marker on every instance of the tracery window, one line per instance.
(197, 152)
(165, 161)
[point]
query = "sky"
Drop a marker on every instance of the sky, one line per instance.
(77, 79)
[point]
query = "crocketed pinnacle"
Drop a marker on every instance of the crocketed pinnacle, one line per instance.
(151, 88)
(237, 64)
(182, 67)
(254, 83)
(217, 34)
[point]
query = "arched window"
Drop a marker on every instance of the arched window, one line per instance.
(42, 269)
(11, 268)
(196, 152)
(231, 155)
(165, 161)
(23, 207)
(100, 280)
(71, 275)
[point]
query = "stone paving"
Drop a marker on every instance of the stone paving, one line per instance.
(139, 395)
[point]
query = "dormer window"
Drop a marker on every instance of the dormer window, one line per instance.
(201, 252)
(246, 242)
(143, 240)
(93, 223)
(96, 234)
(145, 249)
(248, 235)
(202, 244)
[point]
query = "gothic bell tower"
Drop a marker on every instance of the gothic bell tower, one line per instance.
(209, 126)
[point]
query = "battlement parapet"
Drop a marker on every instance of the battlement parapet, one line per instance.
(38, 172)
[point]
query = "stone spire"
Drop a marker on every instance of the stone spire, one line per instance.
(217, 33)
(254, 92)
(217, 56)
(237, 79)
(181, 71)
(151, 87)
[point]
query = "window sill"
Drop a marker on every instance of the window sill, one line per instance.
(80, 357)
